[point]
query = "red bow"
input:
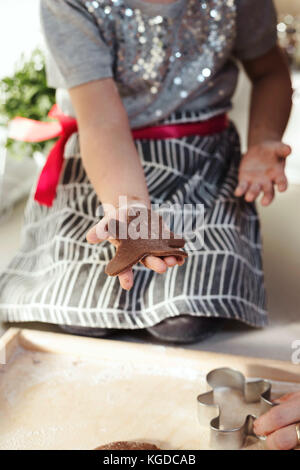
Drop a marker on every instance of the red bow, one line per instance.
(29, 130)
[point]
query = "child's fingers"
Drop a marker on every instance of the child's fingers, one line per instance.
(98, 233)
(180, 260)
(283, 150)
(253, 192)
(173, 260)
(92, 236)
(170, 261)
(268, 190)
(241, 188)
(126, 279)
(281, 182)
(155, 263)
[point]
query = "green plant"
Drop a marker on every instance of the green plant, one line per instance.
(26, 94)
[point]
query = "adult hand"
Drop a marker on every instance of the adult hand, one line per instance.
(279, 424)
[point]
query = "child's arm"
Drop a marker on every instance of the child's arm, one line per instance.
(108, 151)
(263, 165)
(110, 157)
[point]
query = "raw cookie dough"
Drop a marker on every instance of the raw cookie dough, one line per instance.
(128, 445)
(150, 239)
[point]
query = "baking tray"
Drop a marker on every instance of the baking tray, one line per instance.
(61, 391)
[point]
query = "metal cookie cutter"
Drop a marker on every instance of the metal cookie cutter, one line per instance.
(209, 412)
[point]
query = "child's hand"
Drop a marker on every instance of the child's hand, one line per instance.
(99, 233)
(261, 168)
(279, 424)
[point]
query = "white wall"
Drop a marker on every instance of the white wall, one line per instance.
(19, 31)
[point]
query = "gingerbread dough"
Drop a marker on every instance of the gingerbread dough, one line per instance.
(128, 445)
(149, 239)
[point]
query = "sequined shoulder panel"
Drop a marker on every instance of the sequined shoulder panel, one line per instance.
(162, 60)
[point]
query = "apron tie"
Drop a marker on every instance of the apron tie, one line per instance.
(63, 126)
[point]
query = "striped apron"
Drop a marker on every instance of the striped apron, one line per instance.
(57, 277)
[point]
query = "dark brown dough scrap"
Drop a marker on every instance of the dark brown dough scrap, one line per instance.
(128, 445)
(131, 251)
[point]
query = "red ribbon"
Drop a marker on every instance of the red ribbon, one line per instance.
(29, 130)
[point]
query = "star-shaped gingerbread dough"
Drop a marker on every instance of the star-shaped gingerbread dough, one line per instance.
(144, 234)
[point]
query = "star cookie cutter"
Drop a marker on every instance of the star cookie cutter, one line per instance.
(209, 412)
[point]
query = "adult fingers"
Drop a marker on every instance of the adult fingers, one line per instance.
(268, 196)
(283, 439)
(278, 417)
(241, 188)
(253, 192)
(287, 396)
(155, 263)
(126, 279)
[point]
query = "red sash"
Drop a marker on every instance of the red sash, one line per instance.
(29, 130)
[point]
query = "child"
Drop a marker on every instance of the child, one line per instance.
(120, 65)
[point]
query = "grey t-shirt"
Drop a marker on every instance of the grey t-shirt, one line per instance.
(163, 57)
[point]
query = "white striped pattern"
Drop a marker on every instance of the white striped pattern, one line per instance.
(57, 277)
